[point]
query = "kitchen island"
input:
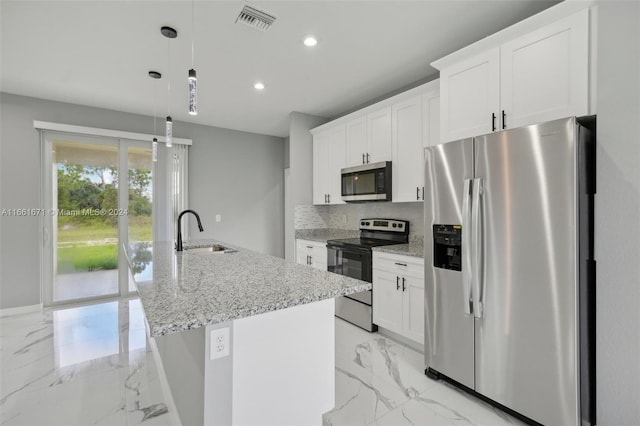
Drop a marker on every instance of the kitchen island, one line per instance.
(243, 337)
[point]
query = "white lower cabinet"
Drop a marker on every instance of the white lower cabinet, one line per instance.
(398, 294)
(311, 253)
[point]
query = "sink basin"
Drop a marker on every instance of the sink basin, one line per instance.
(213, 249)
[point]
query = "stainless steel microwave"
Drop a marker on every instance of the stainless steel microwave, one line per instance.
(369, 182)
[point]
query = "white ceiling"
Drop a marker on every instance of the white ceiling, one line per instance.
(98, 53)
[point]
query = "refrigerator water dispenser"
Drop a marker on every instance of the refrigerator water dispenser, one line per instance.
(447, 247)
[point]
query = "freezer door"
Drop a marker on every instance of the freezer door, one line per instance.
(526, 341)
(448, 331)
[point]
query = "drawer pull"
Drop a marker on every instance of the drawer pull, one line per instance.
(309, 246)
(401, 264)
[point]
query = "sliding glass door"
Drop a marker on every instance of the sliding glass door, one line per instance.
(97, 194)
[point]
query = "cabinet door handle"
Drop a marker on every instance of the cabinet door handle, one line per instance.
(423, 193)
(417, 192)
(493, 121)
(363, 158)
(310, 260)
(403, 286)
(397, 283)
(367, 158)
(329, 198)
(504, 120)
(401, 264)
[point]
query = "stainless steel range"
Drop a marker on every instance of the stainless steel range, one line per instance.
(352, 257)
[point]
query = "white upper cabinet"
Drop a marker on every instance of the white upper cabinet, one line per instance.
(539, 76)
(544, 74)
(414, 125)
(396, 129)
(356, 143)
(369, 138)
(328, 159)
(379, 136)
(407, 140)
(470, 97)
(431, 116)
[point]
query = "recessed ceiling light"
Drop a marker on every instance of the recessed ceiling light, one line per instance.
(310, 41)
(258, 86)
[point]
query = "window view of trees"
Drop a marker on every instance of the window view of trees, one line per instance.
(88, 215)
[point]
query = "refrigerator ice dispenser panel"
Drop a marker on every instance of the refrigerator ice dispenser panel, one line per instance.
(447, 247)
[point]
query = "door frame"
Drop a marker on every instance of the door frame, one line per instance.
(47, 247)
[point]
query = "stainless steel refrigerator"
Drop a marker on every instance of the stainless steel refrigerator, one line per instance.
(509, 269)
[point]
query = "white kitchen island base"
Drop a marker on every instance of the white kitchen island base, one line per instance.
(280, 369)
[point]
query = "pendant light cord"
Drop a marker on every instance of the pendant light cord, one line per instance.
(168, 76)
(193, 32)
(155, 108)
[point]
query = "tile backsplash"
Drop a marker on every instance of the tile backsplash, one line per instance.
(347, 216)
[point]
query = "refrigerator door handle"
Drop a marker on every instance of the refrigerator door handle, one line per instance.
(467, 270)
(477, 251)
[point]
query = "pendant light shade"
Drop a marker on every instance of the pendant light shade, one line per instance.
(193, 92)
(169, 132)
(154, 150)
(155, 75)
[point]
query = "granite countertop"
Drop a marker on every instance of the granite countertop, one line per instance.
(182, 291)
(415, 248)
(322, 235)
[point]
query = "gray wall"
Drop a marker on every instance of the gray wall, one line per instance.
(240, 177)
(300, 169)
(238, 174)
(618, 213)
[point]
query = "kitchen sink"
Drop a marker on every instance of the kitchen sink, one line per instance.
(212, 249)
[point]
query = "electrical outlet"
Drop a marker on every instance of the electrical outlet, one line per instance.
(219, 343)
(218, 218)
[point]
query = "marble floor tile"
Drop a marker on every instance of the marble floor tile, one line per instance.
(79, 365)
(382, 382)
(93, 365)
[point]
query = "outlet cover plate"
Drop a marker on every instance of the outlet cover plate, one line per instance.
(219, 343)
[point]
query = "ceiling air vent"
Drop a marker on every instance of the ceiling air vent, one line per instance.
(255, 18)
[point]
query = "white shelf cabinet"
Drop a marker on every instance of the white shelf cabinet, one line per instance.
(540, 76)
(368, 138)
(398, 294)
(407, 151)
(414, 124)
(397, 130)
(328, 159)
(312, 253)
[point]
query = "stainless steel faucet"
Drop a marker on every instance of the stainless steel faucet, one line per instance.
(179, 241)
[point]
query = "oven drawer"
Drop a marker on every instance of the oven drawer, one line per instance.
(356, 313)
(398, 264)
(363, 296)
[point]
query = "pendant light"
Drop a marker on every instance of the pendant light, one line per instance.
(154, 146)
(169, 33)
(192, 79)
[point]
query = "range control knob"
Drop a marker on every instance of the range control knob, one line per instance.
(395, 225)
(400, 225)
(362, 223)
(368, 223)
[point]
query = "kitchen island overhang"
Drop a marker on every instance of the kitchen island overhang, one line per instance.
(279, 319)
